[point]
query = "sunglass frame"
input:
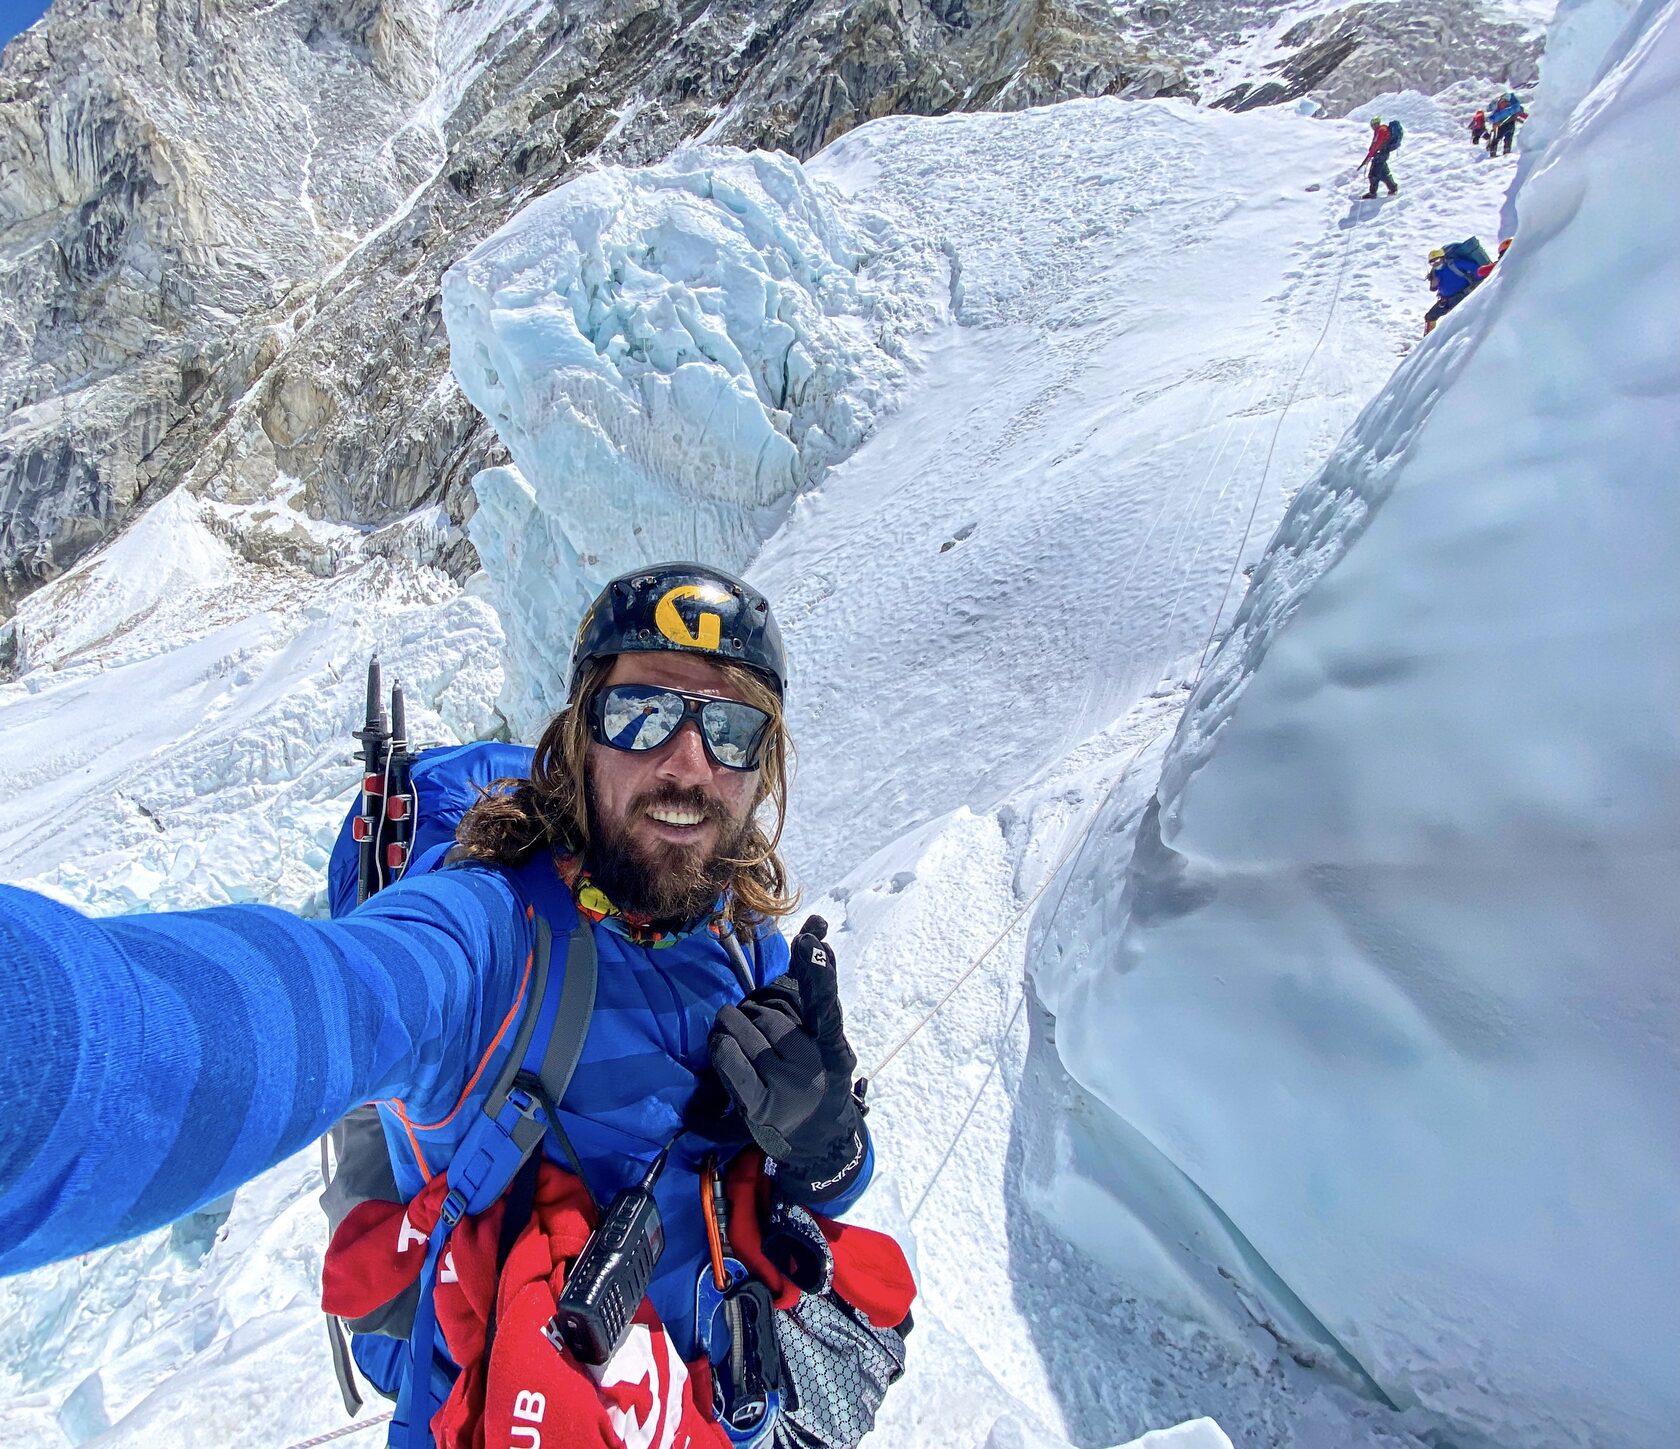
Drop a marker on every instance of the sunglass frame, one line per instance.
(694, 708)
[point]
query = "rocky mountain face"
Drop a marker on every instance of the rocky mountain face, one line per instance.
(1342, 57)
(223, 223)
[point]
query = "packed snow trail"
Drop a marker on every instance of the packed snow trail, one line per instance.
(1061, 365)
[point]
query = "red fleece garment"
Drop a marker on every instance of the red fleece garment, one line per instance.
(870, 1270)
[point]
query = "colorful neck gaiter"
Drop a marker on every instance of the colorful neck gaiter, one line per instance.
(594, 903)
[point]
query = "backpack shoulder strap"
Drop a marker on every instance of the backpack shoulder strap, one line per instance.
(552, 1057)
(522, 1105)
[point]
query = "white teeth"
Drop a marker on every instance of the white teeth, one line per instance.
(677, 817)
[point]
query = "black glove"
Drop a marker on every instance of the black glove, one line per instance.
(783, 1058)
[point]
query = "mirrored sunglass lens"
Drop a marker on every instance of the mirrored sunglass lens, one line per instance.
(733, 731)
(639, 719)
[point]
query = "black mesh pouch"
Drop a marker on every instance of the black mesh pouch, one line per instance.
(836, 1365)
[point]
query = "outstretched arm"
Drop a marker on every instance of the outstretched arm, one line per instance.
(151, 1063)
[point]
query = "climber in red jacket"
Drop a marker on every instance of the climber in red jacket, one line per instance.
(1383, 141)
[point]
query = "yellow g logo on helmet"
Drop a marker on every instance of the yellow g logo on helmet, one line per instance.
(708, 627)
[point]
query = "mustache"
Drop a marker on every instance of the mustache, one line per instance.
(671, 797)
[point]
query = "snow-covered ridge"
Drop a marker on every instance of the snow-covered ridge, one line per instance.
(169, 677)
(223, 224)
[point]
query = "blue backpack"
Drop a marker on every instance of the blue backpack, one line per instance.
(444, 784)
(520, 1110)
(1396, 134)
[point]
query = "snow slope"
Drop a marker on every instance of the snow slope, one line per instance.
(1080, 348)
(1396, 982)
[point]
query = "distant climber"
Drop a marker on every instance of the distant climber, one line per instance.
(1384, 138)
(1482, 272)
(1454, 272)
(1478, 127)
(1502, 123)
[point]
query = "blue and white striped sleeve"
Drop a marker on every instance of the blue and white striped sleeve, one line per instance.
(150, 1063)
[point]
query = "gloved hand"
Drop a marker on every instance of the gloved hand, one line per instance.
(783, 1058)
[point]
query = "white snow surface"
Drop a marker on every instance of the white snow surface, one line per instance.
(178, 735)
(995, 408)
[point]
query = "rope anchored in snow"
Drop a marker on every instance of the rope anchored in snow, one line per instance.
(1266, 467)
(1077, 846)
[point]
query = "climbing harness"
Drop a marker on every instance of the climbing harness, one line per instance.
(737, 1327)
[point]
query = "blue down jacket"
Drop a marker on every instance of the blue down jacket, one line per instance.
(151, 1063)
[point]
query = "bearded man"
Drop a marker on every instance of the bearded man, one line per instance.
(155, 1062)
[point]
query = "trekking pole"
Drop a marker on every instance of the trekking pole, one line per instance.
(399, 793)
(375, 735)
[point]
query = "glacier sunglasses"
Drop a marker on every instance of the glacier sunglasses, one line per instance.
(637, 717)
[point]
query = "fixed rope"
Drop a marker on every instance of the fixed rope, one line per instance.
(1271, 448)
(347, 1430)
(1077, 846)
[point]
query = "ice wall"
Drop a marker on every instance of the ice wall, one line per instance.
(1396, 984)
(1582, 38)
(710, 347)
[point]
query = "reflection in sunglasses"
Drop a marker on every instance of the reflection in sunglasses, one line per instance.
(642, 717)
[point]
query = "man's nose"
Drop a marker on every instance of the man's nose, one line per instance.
(684, 759)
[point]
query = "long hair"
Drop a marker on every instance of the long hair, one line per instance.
(514, 819)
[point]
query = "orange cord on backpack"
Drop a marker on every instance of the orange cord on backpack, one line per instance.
(712, 1209)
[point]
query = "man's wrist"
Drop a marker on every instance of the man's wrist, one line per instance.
(814, 1181)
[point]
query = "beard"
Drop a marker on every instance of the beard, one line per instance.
(665, 883)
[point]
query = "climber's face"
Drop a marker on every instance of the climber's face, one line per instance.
(667, 824)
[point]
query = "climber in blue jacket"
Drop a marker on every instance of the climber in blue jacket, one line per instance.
(1502, 122)
(1451, 278)
(148, 1064)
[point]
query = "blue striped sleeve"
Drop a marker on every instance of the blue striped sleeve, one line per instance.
(151, 1063)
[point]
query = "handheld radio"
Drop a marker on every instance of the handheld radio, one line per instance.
(610, 1277)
